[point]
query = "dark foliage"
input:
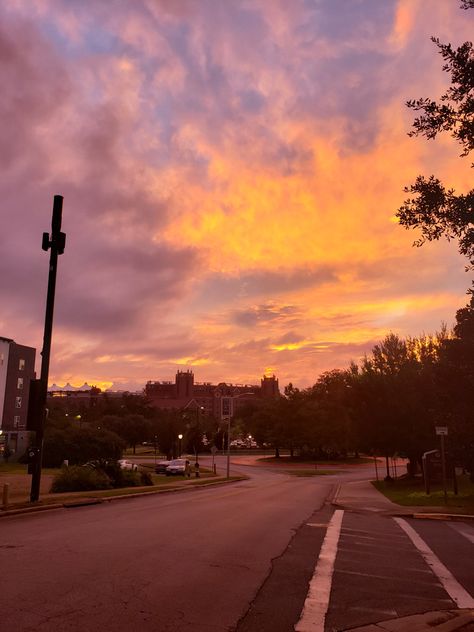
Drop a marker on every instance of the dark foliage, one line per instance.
(79, 445)
(77, 478)
(433, 208)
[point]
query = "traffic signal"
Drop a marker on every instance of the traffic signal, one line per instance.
(33, 418)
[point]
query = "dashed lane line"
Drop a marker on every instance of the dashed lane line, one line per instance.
(316, 604)
(458, 594)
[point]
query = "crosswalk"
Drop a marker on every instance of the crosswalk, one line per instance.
(372, 568)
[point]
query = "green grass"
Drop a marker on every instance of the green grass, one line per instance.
(411, 493)
(288, 460)
(304, 472)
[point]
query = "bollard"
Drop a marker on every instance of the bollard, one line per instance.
(6, 489)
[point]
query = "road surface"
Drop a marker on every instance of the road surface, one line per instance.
(238, 557)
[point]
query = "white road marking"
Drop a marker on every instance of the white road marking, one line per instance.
(464, 529)
(316, 604)
(458, 594)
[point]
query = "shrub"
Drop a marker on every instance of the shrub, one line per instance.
(146, 478)
(130, 479)
(76, 479)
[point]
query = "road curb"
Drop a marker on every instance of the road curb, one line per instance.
(333, 500)
(71, 504)
(434, 621)
(440, 516)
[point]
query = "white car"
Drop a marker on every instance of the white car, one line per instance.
(127, 465)
(177, 467)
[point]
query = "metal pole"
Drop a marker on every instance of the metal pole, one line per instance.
(56, 244)
(376, 469)
(228, 447)
(443, 464)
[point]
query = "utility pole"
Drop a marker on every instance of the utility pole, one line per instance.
(56, 242)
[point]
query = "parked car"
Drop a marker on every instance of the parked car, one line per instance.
(177, 467)
(127, 465)
(160, 467)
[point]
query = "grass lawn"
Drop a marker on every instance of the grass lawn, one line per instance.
(288, 460)
(314, 472)
(411, 493)
(19, 482)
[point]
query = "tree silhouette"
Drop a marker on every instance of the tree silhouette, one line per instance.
(435, 209)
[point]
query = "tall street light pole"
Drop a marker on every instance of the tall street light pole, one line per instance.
(56, 242)
(228, 448)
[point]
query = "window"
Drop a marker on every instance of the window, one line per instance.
(18, 402)
(21, 365)
(16, 421)
(19, 384)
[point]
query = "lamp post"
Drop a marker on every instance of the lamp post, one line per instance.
(228, 448)
(198, 432)
(180, 437)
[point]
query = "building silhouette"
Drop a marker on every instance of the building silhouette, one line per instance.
(220, 400)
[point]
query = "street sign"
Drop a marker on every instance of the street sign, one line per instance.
(214, 450)
(441, 430)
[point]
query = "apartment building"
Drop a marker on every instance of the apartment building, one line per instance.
(17, 368)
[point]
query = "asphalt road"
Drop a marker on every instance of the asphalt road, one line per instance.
(238, 557)
(172, 562)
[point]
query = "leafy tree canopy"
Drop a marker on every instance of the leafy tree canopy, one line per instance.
(434, 208)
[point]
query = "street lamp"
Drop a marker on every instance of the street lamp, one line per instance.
(228, 448)
(180, 436)
(198, 432)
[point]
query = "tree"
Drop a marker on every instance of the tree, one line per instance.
(78, 445)
(436, 210)
(133, 428)
(166, 425)
(455, 377)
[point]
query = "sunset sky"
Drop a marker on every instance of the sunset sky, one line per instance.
(230, 170)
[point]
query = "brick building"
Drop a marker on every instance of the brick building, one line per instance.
(17, 368)
(220, 400)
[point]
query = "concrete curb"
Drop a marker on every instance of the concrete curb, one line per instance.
(417, 515)
(440, 516)
(364, 504)
(333, 500)
(83, 502)
(435, 621)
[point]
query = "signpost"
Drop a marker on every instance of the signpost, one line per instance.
(213, 451)
(442, 431)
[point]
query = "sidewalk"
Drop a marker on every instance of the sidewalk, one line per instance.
(362, 496)
(437, 621)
